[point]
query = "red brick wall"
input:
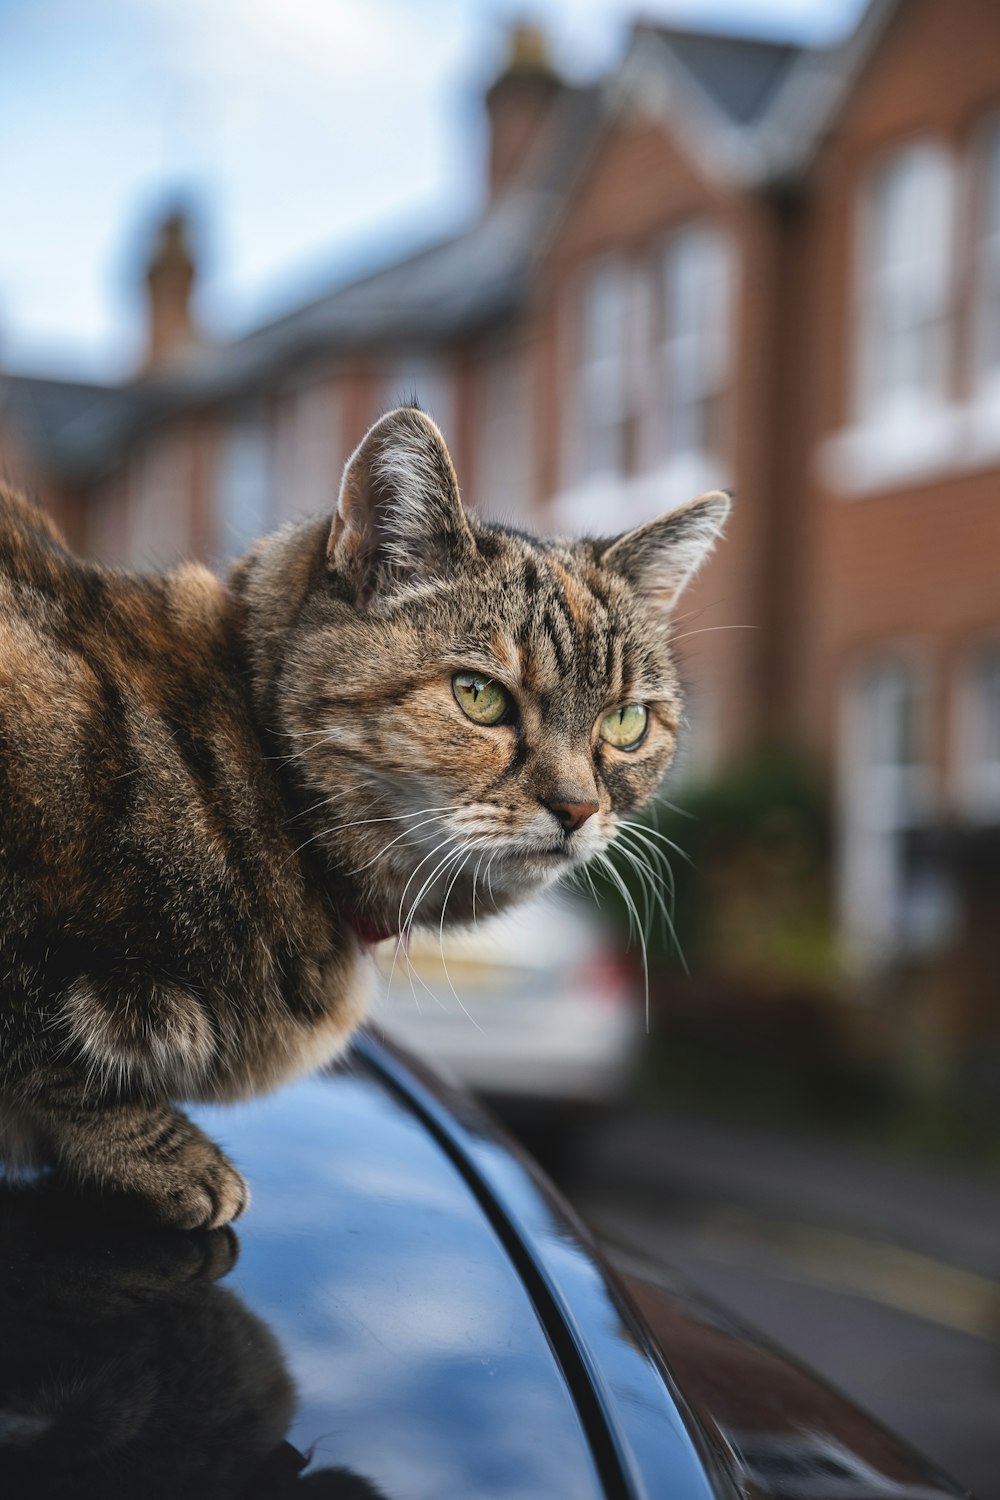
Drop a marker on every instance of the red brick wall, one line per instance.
(918, 564)
(638, 187)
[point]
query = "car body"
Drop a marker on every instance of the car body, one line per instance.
(414, 1314)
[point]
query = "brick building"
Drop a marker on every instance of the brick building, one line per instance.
(731, 262)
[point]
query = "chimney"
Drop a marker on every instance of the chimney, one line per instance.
(517, 103)
(170, 277)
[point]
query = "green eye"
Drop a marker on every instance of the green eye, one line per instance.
(479, 698)
(625, 727)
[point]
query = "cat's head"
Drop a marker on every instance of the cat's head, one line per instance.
(470, 712)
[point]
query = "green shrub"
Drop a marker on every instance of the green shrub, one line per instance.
(742, 865)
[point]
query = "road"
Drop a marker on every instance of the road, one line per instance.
(879, 1275)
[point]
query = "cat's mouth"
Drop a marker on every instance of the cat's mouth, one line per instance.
(564, 853)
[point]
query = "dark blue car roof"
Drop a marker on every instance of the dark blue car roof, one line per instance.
(448, 1335)
(407, 1312)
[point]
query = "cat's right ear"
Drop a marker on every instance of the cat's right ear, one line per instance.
(399, 516)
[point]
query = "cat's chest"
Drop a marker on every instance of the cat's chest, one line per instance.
(281, 1042)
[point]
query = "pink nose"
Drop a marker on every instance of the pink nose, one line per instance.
(572, 815)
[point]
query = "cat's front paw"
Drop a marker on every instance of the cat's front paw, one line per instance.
(181, 1182)
(149, 1161)
(202, 1194)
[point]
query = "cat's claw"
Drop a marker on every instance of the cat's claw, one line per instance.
(217, 1198)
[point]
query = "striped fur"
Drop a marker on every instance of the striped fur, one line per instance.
(210, 793)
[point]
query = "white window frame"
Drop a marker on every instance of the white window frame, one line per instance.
(602, 382)
(881, 797)
(906, 432)
(983, 441)
(631, 477)
(915, 275)
(696, 338)
(986, 280)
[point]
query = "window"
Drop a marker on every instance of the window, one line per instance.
(505, 467)
(979, 752)
(309, 455)
(987, 320)
(650, 362)
(886, 904)
(695, 348)
(242, 484)
(601, 436)
(905, 303)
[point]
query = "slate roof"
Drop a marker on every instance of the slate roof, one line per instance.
(741, 75)
(777, 94)
(468, 282)
(75, 428)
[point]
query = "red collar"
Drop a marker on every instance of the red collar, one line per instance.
(369, 931)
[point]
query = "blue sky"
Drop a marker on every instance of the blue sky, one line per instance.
(313, 136)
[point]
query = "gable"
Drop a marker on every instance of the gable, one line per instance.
(639, 181)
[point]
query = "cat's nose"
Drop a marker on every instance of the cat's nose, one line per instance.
(572, 815)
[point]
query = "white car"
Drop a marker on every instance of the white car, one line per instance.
(536, 1005)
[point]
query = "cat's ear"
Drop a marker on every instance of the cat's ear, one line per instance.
(658, 559)
(399, 515)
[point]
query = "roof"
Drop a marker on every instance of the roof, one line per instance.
(740, 74)
(465, 282)
(759, 107)
(459, 285)
(74, 426)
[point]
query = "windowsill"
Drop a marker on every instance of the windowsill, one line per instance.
(912, 447)
(607, 503)
(984, 423)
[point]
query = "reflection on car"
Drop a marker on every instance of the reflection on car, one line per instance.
(409, 1313)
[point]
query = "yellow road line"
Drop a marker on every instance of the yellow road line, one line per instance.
(836, 1260)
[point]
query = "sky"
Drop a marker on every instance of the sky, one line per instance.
(310, 138)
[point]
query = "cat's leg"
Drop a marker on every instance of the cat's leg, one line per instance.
(142, 1150)
(125, 1045)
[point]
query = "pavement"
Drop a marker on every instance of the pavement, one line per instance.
(881, 1273)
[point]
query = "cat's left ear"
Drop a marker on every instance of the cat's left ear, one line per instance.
(399, 515)
(658, 559)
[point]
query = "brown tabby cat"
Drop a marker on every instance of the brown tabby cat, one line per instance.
(213, 798)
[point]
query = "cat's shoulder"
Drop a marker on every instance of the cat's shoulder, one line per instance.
(25, 527)
(173, 617)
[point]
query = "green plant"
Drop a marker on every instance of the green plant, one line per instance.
(733, 878)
